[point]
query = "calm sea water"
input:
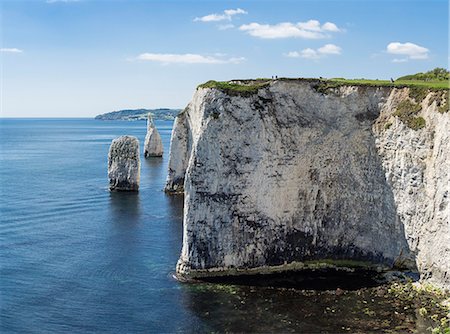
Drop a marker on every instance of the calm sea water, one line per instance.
(77, 258)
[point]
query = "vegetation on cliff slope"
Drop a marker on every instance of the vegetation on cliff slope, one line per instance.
(407, 111)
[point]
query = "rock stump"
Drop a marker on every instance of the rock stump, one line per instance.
(124, 164)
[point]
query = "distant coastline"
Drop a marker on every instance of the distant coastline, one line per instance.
(139, 114)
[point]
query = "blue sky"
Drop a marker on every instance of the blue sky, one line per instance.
(79, 58)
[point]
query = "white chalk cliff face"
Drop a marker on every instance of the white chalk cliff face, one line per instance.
(296, 173)
(153, 146)
(124, 164)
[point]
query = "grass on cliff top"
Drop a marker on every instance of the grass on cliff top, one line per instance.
(437, 78)
(241, 87)
(435, 84)
(250, 87)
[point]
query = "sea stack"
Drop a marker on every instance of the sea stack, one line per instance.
(153, 145)
(124, 164)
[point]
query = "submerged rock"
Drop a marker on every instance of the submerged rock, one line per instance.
(295, 175)
(153, 144)
(124, 164)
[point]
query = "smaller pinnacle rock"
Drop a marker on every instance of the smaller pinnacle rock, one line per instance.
(153, 145)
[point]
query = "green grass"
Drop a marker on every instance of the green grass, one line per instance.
(244, 88)
(444, 106)
(406, 112)
(436, 74)
(416, 123)
(436, 84)
(250, 87)
(442, 101)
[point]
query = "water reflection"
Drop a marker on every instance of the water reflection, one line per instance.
(154, 169)
(125, 208)
(175, 204)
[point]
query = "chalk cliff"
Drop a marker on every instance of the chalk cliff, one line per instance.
(124, 164)
(297, 173)
(153, 146)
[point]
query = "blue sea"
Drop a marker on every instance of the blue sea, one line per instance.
(76, 258)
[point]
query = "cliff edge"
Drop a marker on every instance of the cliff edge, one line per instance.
(288, 174)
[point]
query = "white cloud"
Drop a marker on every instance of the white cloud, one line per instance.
(329, 26)
(327, 49)
(410, 50)
(312, 25)
(188, 58)
(226, 15)
(311, 29)
(308, 54)
(231, 12)
(11, 50)
(330, 49)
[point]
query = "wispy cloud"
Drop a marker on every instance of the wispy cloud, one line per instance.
(225, 26)
(11, 50)
(311, 29)
(399, 60)
(409, 50)
(305, 53)
(226, 15)
(188, 58)
(327, 49)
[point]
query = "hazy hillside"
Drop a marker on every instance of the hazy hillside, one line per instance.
(140, 114)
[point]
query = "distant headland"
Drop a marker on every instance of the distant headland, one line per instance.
(139, 114)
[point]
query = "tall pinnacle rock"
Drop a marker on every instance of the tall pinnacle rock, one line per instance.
(153, 145)
(124, 164)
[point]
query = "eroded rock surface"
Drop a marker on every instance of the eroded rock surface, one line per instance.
(124, 164)
(417, 166)
(294, 175)
(153, 146)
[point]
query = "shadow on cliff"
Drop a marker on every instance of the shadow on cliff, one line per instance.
(376, 235)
